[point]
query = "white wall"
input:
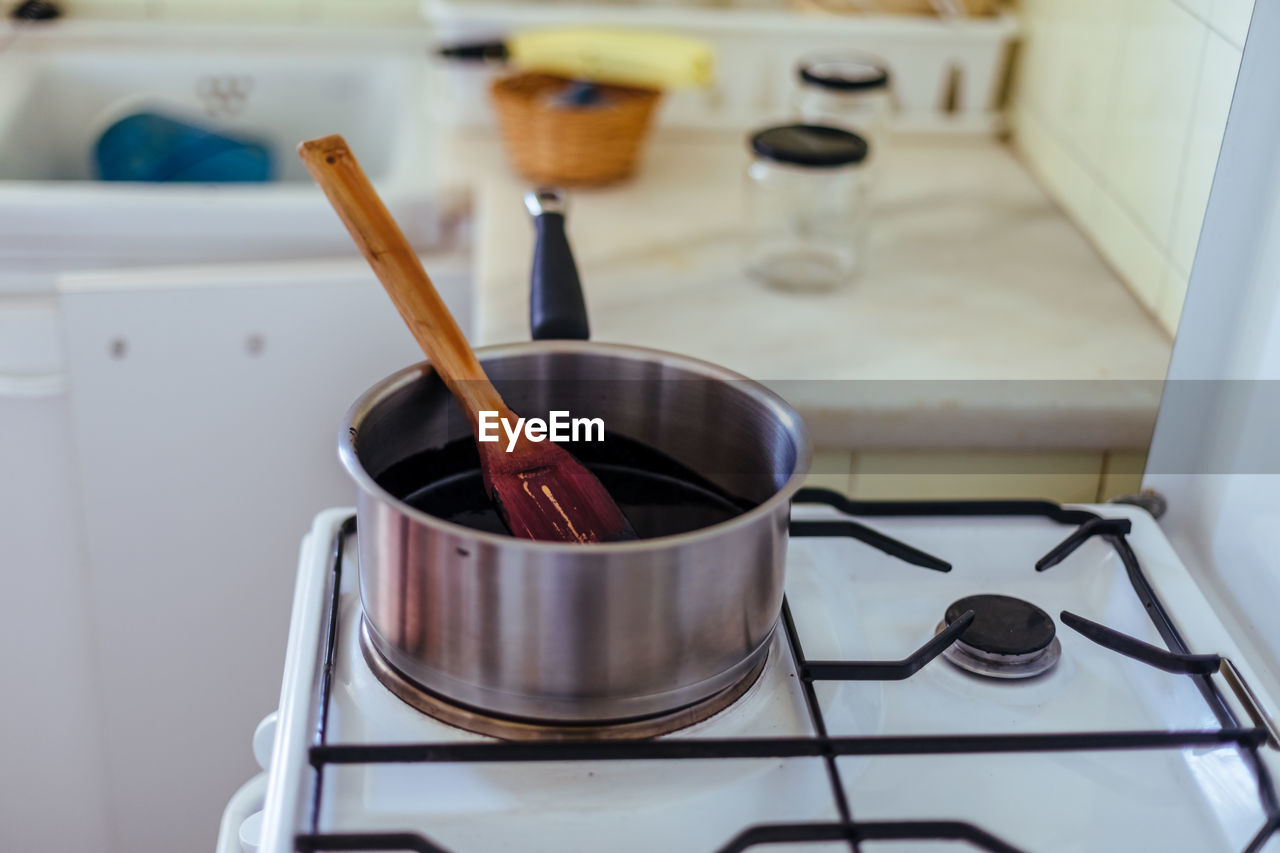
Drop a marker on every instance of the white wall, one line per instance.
(1119, 107)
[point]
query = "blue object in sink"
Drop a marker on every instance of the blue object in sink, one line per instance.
(153, 147)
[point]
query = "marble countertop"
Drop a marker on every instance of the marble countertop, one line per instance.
(982, 319)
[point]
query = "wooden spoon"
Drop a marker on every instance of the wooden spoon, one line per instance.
(540, 490)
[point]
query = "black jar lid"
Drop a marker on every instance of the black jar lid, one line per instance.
(845, 74)
(809, 145)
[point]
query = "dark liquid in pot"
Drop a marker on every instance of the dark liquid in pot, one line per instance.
(660, 496)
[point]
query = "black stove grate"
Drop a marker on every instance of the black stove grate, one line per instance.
(1177, 658)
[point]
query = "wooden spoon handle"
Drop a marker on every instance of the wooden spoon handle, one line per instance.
(397, 266)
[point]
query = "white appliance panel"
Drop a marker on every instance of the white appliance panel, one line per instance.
(206, 409)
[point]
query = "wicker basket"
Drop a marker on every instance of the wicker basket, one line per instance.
(589, 145)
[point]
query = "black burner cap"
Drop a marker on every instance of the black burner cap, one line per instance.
(1003, 625)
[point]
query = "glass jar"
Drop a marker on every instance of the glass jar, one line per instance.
(849, 91)
(806, 206)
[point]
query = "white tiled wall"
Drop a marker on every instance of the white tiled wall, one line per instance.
(1119, 106)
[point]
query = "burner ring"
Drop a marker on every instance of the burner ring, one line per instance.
(979, 662)
(505, 728)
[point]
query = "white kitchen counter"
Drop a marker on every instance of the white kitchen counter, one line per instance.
(983, 319)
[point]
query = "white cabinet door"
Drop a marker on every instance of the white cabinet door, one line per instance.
(206, 404)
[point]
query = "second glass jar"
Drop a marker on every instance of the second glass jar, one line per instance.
(849, 91)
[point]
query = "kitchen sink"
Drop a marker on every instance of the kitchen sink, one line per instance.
(61, 88)
(68, 99)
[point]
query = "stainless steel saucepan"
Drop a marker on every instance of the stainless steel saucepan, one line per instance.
(572, 634)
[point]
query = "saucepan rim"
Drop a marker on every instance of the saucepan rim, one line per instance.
(777, 406)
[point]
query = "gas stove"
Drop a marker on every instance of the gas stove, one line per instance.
(1013, 675)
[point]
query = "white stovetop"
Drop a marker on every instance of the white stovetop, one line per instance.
(850, 602)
